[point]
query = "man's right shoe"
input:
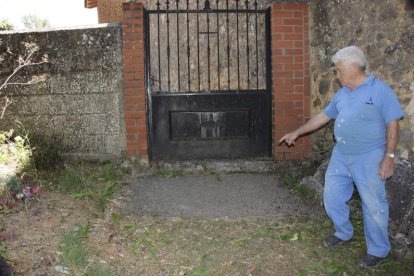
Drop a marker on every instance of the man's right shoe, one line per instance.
(333, 241)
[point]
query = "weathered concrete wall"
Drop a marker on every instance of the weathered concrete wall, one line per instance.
(80, 96)
(384, 30)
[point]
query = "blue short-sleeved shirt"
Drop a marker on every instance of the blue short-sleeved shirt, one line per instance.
(361, 115)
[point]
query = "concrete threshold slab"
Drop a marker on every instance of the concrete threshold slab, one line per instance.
(207, 196)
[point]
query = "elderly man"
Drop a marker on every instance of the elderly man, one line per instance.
(366, 113)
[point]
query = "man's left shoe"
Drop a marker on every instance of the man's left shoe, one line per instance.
(371, 261)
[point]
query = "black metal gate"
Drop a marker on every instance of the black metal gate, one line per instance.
(208, 80)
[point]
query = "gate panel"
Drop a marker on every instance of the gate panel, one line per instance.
(208, 80)
(210, 126)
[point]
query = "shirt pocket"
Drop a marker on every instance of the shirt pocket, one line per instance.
(369, 111)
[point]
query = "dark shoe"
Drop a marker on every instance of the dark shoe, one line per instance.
(371, 261)
(333, 241)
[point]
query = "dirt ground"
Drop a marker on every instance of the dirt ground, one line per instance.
(144, 244)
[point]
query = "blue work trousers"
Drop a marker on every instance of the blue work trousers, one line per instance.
(362, 170)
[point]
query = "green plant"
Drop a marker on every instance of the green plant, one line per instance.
(212, 171)
(15, 151)
(48, 150)
(98, 270)
(74, 251)
(6, 25)
(292, 181)
(72, 182)
(163, 171)
(76, 254)
(98, 185)
(109, 173)
(104, 194)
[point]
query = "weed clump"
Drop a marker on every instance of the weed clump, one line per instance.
(47, 151)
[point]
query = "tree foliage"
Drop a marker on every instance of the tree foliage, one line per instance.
(32, 21)
(5, 25)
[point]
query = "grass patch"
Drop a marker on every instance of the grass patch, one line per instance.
(75, 254)
(74, 251)
(292, 180)
(212, 171)
(97, 182)
(166, 171)
(239, 247)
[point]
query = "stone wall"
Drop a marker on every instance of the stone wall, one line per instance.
(79, 97)
(384, 30)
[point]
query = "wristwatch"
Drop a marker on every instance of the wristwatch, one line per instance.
(390, 155)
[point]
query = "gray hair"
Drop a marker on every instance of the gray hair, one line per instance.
(350, 55)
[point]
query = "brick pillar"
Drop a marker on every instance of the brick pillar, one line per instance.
(290, 76)
(134, 79)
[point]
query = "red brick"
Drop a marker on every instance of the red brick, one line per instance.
(298, 59)
(287, 89)
(142, 135)
(282, 74)
(284, 104)
(299, 89)
(134, 84)
(130, 107)
(134, 52)
(294, 112)
(131, 92)
(297, 104)
(283, 44)
(138, 37)
(293, 66)
(276, 21)
(299, 74)
(293, 52)
(133, 45)
(293, 36)
(137, 144)
(132, 28)
(283, 29)
(285, 14)
(288, 97)
(135, 115)
(298, 29)
(293, 155)
(135, 100)
(298, 44)
(298, 14)
(282, 59)
(131, 20)
(131, 137)
(133, 67)
(293, 21)
(143, 152)
(131, 151)
(292, 6)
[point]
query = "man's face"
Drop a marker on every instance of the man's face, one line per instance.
(346, 73)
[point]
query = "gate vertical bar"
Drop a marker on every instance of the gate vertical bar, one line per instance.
(218, 45)
(228, 45)
(188, 49)
(238, 47)
(198, 43)
(268, 57)
(147, 64)
(178, 47)
(257, 51)
(168, 45)
(207, 8)
(247, 43)
(158, 44)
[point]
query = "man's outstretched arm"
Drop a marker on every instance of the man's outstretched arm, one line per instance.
(314, 123)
